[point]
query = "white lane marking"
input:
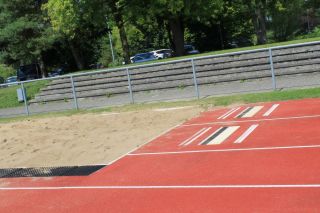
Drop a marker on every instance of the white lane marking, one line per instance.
(196, 136)
(161, 187)
(241, 112)
(149, 141)
(227, 150)
(257, 120)
(224, 135)
(227, 114)
(252, 112)
(271, 110)
(246, 133)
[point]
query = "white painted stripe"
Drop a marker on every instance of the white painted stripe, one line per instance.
(194, 135)
(271, 110)
(230, 112)
(198, 136)
(161, 187)
(210, 136)
(246, 133)
(252, 112)
(224, 135)
(256, 120)
(227, 150)
(242, 112)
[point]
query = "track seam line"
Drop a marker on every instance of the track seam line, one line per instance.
(226, 150)
(162, 187)
(247, 121)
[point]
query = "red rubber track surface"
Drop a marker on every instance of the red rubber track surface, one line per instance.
(274, 169)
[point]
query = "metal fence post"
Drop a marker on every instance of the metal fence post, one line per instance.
(195, 78)
(76, 106)
(130, 86)
(274, 84)
(25, 100)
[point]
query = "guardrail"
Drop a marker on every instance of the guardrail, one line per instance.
(189, 60)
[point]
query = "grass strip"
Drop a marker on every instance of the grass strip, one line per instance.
(204, 103)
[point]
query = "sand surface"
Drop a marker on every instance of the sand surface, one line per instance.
(83, 139)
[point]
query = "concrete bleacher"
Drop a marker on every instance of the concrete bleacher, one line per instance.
(209, 70)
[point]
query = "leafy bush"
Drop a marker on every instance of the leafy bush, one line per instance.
(315, 33)
(6, 71)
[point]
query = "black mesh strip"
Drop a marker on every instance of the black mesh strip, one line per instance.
(50, 171)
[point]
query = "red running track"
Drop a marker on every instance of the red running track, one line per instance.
(274, 168)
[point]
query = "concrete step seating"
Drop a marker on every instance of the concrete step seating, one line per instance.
(210, 70)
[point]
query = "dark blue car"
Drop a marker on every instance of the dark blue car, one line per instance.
(143, 57)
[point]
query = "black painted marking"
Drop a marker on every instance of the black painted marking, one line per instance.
(244, 112)
(214, 135)
(50, 171)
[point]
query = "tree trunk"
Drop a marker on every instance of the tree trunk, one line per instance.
(122, 31)
(43, 68)
(259, 20)
(177, 31)
(170, 36)
(76, 55)
(221, 36)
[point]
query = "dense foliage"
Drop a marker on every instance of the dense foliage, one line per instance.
(74, 34)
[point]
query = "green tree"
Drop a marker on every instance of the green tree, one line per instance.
(176, 13)
(25, 35)
(81, 23)
(286, 18)
(72, 18)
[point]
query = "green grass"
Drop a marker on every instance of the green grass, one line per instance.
(8, 95)
(203, 103)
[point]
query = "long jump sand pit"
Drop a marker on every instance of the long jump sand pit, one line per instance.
(83, 139)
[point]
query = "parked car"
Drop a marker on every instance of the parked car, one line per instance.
(28, 72)
(163, 53)
(190, 50)
(11, 79)
(57, 72)
(143, 57)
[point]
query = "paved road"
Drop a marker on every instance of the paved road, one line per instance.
(249, 86)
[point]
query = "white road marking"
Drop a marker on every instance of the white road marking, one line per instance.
(252, 112)
(230, 112)
(271, 110)
(161, 187)
(246, 133)
(256, 120)
(227, 150)
(224, 135)
(196, 136)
